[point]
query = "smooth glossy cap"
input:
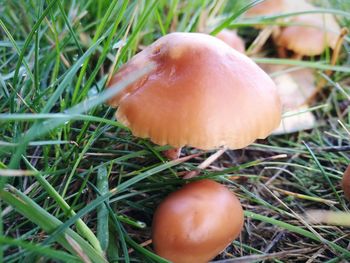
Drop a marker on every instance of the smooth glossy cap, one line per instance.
(197, 222)
(202, 94)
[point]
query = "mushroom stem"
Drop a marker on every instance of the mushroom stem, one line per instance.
(212, 158)
(297, 56)
(282, 52)
(334, 59)
(173, 154)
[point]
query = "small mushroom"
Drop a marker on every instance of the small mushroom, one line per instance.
(277, 7)
(231, 38)
(202, 93)
(268, 7)
(346, 183)
(294, 87)
(309, 34)
(197, 222)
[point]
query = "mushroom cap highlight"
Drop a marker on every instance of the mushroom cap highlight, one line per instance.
(202, 93)
(197, 222)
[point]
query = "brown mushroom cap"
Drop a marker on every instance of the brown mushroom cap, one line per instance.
(231, 38)
(268, 7)
(202, 93)
(277, 7)
(310, 34)
(346, 183)
(197, 222)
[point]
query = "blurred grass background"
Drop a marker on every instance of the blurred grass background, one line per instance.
(80, 187)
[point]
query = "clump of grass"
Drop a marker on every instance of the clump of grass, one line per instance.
(80, 187)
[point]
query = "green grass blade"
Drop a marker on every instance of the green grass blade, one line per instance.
(306, 64)
(323, 172)
(28, 208)
(16, 47)
(229, 20)
(106, 48)
(38, 249)
(297, 230)
(81, 226)
(28, 117)
(1, 233)
(98, 33)
(102, 212)
(122, 187)
(29, 39)
(42, 128)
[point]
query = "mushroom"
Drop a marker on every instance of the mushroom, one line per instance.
(277, 7)
(231, 38)
(197, 222)
(268, 7)
(346, 183)
(265, 8)
(309, 34)
(202, 93)
(294, 87)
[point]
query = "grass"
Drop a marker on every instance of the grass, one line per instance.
(80, 187)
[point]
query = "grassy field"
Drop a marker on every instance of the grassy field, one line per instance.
(75, 184)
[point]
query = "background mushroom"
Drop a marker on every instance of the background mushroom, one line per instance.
(268, 7)
(195, 223)
(231, 38)
(309, 34)
(202, 93)
(294, 87)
